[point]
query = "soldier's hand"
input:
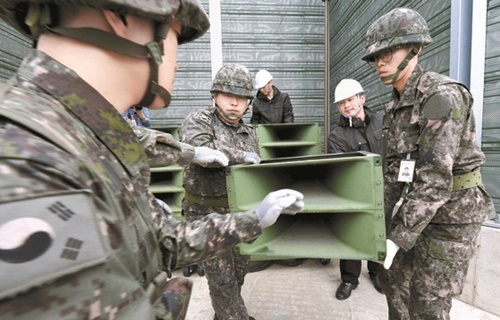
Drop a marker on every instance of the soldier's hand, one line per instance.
(166, 208)
(205, 156)
(285, 201)
(251, 157)
(391, 250)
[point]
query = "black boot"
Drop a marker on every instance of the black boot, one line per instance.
(186, 271)
(344, 290)
(200, 271)
(376, 284)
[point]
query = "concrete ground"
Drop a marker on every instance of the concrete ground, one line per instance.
(308, 292)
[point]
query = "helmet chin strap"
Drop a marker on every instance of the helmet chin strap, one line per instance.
(228, 115)
(394, 77)
(155, 49)
(152, 51)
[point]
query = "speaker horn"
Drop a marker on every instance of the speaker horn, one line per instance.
(343, 216)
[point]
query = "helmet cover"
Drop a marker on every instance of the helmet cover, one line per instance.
(400, 26)
(233, 79)
(189, 13)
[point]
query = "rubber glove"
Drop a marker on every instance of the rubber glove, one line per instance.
(251, 157)
(285, 201)
(204, 156)
(391, 250)
(165, 207)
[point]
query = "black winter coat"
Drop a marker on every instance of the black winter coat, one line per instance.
(277, 110)
(361, 136)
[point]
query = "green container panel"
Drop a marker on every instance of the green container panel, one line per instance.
(288, 139)
(330, 183)
(343, 217)
(173, 200)
(355, 235)
(284, 151)
(166, 179)
(166, 185)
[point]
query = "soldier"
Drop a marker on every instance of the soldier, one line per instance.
(81, 237)
(359, 129)
(221, 127)
(438, 211)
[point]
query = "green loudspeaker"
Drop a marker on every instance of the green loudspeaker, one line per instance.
(280, 140)
(343, 217)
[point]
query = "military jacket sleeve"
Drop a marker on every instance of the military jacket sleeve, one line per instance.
(197, 240)
(161, 148)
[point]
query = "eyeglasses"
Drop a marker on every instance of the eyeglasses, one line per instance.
(384, 55)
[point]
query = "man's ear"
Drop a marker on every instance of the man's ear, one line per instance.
(362, 98)
(117, 22)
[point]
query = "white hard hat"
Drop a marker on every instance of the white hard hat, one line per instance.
(262, 78)
(347, 88)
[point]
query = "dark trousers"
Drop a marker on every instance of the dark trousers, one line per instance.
(351, 269)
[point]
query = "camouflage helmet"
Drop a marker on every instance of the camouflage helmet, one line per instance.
(400, 26)
(234, 79)
(189, 13)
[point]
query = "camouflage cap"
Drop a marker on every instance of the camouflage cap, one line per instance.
(398, 27)
(234, 79)
(189, 13)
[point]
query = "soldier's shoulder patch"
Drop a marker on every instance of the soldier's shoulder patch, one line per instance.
(437, 106)
(44, 238)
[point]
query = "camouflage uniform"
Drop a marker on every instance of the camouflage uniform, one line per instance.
(436, 226)
(226, 271)
(438, 223)
(161, 148)
(99, 245)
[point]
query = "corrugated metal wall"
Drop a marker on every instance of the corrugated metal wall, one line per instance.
(285, 37)
(491, 116)
(348, 22)
(13, 47)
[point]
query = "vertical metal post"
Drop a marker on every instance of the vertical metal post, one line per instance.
(460, 40)
(215, 36)
(327, 77)
(477, 62)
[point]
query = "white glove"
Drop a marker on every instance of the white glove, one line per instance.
(204, 156)
(391, 250)
(285, 201)
(165, 207)
(251, 157)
